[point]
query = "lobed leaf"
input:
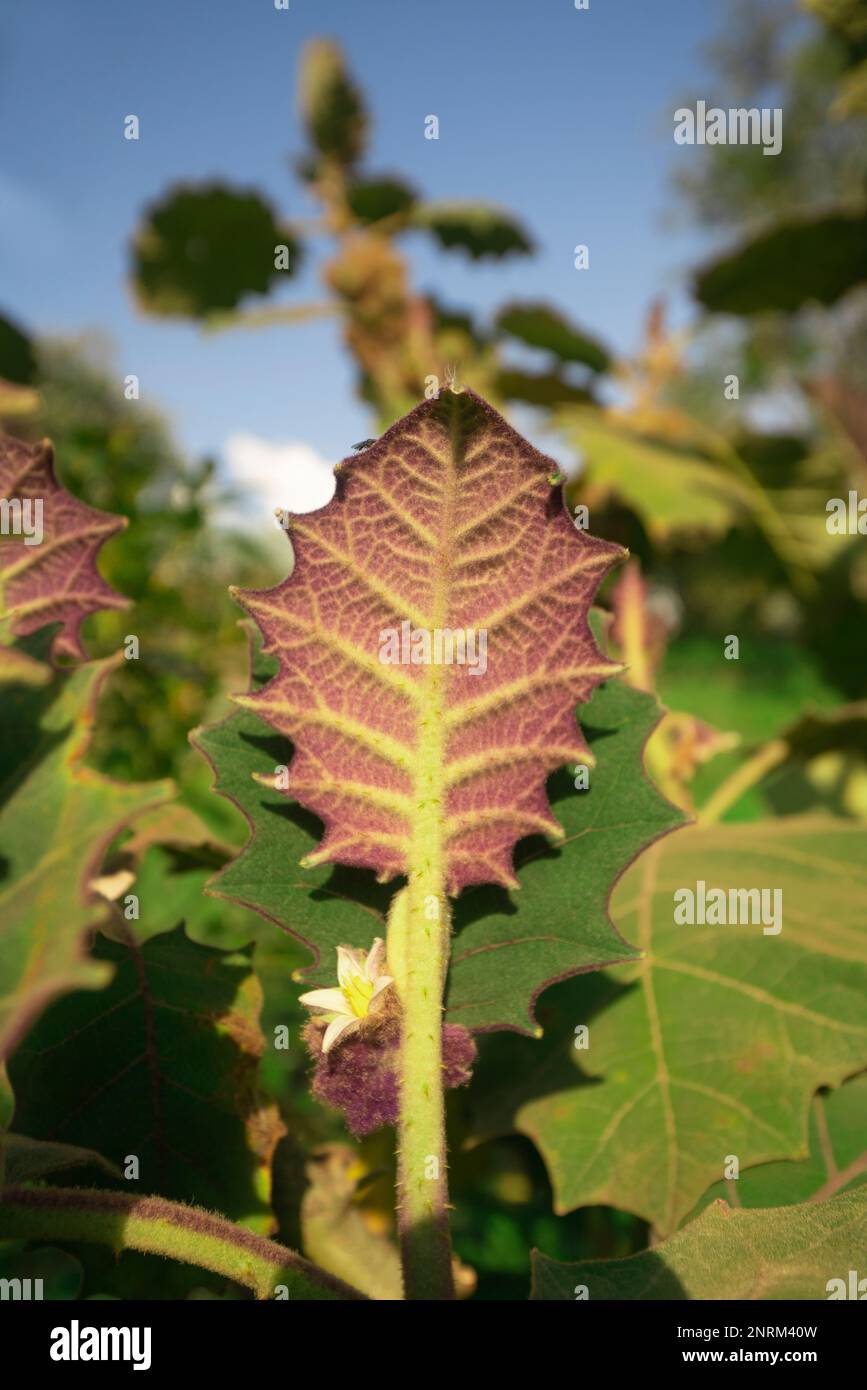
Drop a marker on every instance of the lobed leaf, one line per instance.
(507, 949)
(716, 1042)
(787, 1252)
(202, 248)
(370, 200)
(836, 1161)
(56, 580)
(449, 523)
(477, 228)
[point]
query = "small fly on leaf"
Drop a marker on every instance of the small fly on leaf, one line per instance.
(363, 444)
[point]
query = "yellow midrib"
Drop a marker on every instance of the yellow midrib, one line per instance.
(426, 857)
(419, 939)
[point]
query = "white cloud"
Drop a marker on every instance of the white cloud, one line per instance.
(268, 475)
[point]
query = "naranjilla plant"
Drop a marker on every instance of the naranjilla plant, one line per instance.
(419, 772)
(499, 929)
(441, 771)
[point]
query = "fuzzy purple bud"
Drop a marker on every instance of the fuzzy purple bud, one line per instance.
(360, 1074)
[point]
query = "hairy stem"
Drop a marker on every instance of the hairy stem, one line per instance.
(420, 943)
(170, 1229)
(420, 932)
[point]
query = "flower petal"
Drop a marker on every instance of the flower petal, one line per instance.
(382, 982)
(348, 964)
(334, 1000)
(336, 1027)
(375, 959)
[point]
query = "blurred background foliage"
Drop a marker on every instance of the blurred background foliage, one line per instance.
(719, 492)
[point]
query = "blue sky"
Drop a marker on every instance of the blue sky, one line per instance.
(565, 117)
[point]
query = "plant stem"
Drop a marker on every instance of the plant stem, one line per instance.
(419, 932)
(422, 1167)
(170, 1229)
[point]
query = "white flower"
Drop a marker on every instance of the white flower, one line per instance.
(360, 985)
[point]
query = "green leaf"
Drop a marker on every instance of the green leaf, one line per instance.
(539, 388)
(325, 906)
(508, 948)
(365, 757)
(410, 760)
(477, 228)
(372, 199)
(170, 884)
(29, 1160)
(555, 926)
(837, 1159)
(540, 326)
(673, 490)
(789, 1252)
(166, 861)
(331, 104)
(163, 1065)
(56, 580)
(716, 1042)
(813, 259)
(57, 817)
(202, 248)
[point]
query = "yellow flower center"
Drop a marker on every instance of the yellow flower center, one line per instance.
(358, 993)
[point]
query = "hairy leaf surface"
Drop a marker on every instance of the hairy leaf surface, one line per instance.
(449, 523)
(716, 1042)
(837, 1159)
(507, 947)
(786, 1252)
(57, 580)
